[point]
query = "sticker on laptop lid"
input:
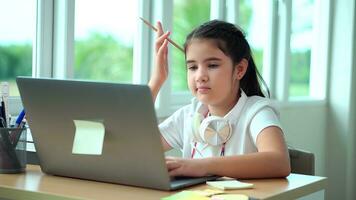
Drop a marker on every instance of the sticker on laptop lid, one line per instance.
(89, 137)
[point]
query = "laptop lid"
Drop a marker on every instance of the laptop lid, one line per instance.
(63, 113)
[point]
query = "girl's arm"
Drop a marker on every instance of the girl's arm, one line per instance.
(160, 71)
(271, 160)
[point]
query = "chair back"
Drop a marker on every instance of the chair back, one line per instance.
(302, 162)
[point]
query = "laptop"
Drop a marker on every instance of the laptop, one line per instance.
(97, 131)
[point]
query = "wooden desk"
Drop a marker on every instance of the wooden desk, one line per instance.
(34, 185)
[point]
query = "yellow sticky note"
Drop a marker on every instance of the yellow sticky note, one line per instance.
(186, 195)
(89, 137)
(208, 192)
(229, 184)
(229, 197)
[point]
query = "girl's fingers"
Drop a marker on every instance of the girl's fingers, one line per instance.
(160, 40)
(171, 165)
(163, 37)
(169, 158)
(174, 172)
(163, 48)
(159, 29)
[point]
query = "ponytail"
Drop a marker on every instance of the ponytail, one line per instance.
(250, 83)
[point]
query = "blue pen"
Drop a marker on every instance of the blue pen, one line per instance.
(15, 135)
(20, 118)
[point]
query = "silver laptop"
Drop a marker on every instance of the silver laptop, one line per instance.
(97, 131)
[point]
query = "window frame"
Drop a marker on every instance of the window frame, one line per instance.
(320, 58)
(283, 50)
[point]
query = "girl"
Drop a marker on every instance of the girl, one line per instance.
(229, 129)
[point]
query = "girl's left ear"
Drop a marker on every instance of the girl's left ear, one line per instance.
(241, 68)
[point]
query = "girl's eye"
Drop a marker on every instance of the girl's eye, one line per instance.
(192, 67)
(213, 65)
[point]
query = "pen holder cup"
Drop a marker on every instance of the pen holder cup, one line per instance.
(12, 150)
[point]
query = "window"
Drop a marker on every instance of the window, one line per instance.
(104, 39)
(18, 25)
(301, 66)
(103, 45)
(187, 14)
(301, 47)
(253, 20)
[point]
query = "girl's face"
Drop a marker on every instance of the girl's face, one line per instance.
(212, 78)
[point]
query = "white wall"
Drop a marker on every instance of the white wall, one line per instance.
(340, 150)
(305, 128)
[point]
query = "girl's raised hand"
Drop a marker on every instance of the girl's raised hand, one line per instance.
(160, 71)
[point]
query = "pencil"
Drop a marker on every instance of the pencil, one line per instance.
(155, 29)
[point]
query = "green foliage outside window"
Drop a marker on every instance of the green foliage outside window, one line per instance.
(300, 73)
(15, 60)
(102, 57)
(187, 15)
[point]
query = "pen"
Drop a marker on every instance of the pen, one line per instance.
(1, 119)
(5, 95)
(155, 29)
(20, 118)
(3, 114)
(16, 134)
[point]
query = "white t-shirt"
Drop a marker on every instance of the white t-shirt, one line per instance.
(247, 118)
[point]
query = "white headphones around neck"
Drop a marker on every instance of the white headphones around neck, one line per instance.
(211, 130)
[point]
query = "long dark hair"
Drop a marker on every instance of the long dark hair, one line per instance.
(231, 40)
